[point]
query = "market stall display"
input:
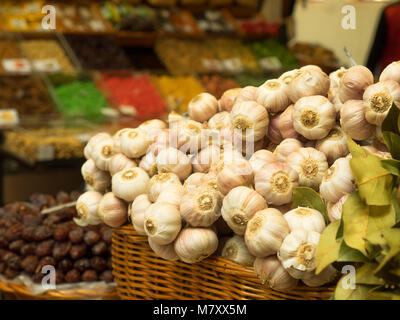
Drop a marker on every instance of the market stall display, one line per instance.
(31, 240)
(217, 85)
(8, 52)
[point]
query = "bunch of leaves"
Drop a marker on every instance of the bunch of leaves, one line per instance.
(367, 237)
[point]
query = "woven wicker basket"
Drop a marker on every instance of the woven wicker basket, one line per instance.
(141, 274)
(21, 292)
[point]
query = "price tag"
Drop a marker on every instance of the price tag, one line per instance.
(8, 118)
(270, 64)
(16, 65)
(47, 65)
(45, 153)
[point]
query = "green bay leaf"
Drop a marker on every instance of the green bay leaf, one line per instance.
(342, 292)
(391, 122)
(365, 275)
(392, 237)
(347, 254)
(328, 247)
(309, 198)
(392, 165)
(392, 141)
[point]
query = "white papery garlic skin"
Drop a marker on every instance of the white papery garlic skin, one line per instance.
(305, 218)
(205, 158)
(275, 182)
(249, 120)
(391, 72)
(102, 153)
(166, 252)
(134, 143)
(228, 99)
(286, 147)
(273, 95)
(334, 145)
(354, 82)
(99, 180)
(379, 98)
(153, 128)
(148, 162)
(353, 122)
(265, 232)
(130, 183)
(93, 141)
(325, 276)
(310, 164)
(188, 136)
(87, 208)
(174, 117)
(195, 244)
(247, 94)
(173, 160)
(313, 117)
(271, 273)
(162, 223)
(112, 211)
(261, 158)
(235, 249)
(335, 209)
(161, 182)
(201, 207)
(136, 212)
(285, 124)
(337, 181)
(120, 162)
(308, 81)
(239, 206)
(202, 107)
(274, 134)
(297, 253)
(235, 173)
(117, 139)
(194, 180)
(288, 76)
(172, 195)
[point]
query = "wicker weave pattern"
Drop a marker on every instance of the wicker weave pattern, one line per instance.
(141, 274)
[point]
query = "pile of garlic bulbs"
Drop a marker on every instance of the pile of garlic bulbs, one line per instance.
(230, 168)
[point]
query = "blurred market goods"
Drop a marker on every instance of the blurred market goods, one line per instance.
(217, 85)
(8, 51)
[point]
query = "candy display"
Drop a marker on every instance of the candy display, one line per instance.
(30, 240)
(26, 94)
(178, 91)
(135, 92)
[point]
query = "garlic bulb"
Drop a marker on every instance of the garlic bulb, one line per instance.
(112, 211)
(353, 122)
(102, 153)
(275, 182)
(308, 82)
(272, 95)
(235, 249)
(120, 162)
(219, 121)
(175, 161)
(99, 180)
(379, 98)
(261, 158)
(166, 252)
(237, 172)
(136, 212)
(286, 147)
(195, 244)
(285, 124)
(288, 76)
(188, 136)
(239, 206)
(202, 107)
(335, 79)
(86, 208)
(273, 132)
(172, 195)
(297, 253)
(310, 164)
(93, 141)
(210, 179)
(174, 117)
(314, 117)
(134, 143)
(337, 181)
(117, 139)
(249, 120)
(247, 94)
(334, 145)
(201, 207)
(265, 232)
(335, 209)
(391, 72)
(194, 180)
(161, 182)
(325, 276)
(271, 272)
(203, 160)
(162, 223)
(228, 99)
(305, 218)
(153, 127)
(130, 183)
(148, 162)
(354, 82)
